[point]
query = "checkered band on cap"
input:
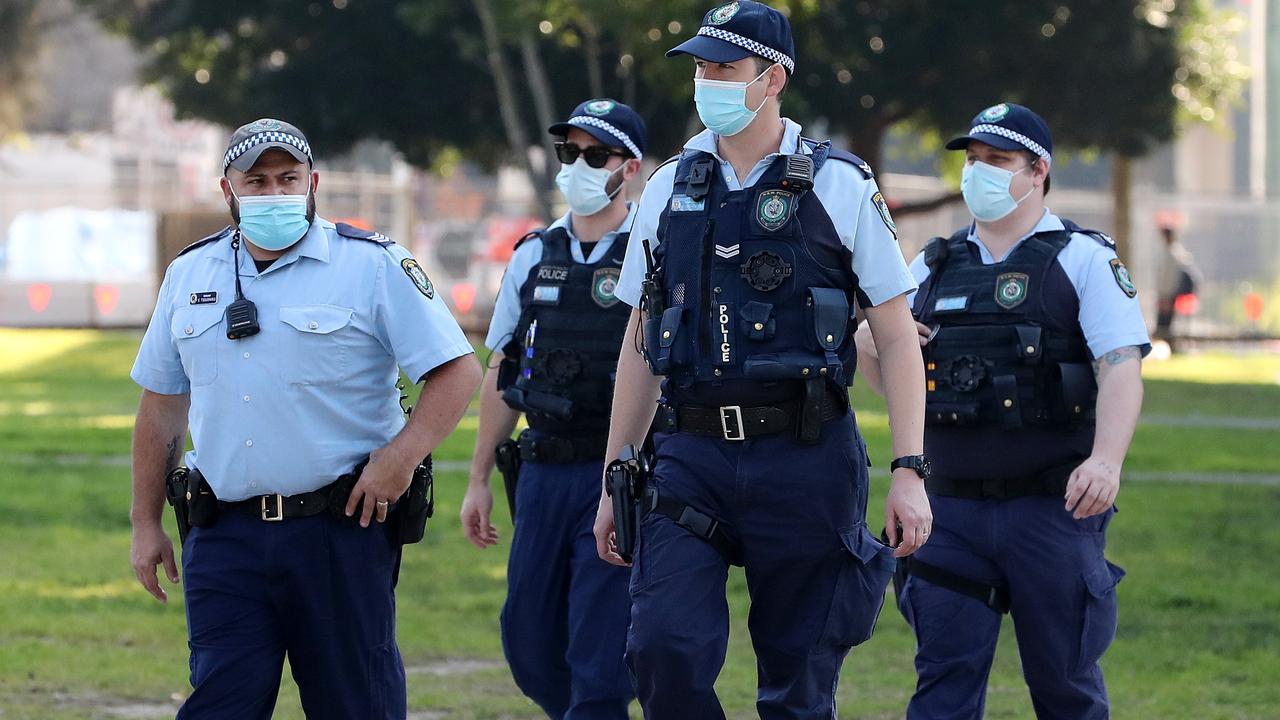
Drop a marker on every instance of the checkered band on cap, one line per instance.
(597, 122)
(245, 145)
(1017, 137)
(750, 45)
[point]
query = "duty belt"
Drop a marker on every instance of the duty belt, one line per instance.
(277, 507)
(735, 422)
(1052, 483)
(539, 448)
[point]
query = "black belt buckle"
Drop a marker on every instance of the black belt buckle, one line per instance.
(731, 425)
(268, 514)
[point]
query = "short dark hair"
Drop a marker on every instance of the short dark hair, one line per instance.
(763, 64)
(1033, 157)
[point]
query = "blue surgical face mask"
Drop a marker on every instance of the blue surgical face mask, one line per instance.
(585, 187)
(722, 104)
(273, 222)
(986, 190)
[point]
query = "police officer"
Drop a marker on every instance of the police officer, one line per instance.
(763, 243)
(281, 402)
(555, 334)
(1033, 342)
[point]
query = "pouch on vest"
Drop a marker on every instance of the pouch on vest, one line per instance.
(663, 342)
(829, 310)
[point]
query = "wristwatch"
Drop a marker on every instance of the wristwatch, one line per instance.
(918, 463)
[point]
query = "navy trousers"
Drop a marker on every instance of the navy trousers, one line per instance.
(315, 589)
(1063, 605)
(564, 624)
(815, 574)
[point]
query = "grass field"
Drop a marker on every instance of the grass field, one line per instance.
(1200, 609)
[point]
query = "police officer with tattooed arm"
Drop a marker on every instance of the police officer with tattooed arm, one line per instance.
(750, 253)
(1033, 342)
(278, 339)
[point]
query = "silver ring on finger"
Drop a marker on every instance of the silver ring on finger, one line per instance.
(381, 503)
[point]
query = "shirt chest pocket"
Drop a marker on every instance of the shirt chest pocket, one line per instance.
(318, 341)
(196, 339)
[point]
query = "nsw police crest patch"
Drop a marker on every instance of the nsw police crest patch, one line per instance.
(1011, 290)
(600, 107)
(995, 113)
(419, 277)
(883, 208)
(773, 208)
(723, 14)
(604, 283)
(1122, 278)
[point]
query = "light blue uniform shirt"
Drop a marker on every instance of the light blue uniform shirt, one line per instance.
(1109, 318)
(291, 408)
(845, 193)
(506, 309)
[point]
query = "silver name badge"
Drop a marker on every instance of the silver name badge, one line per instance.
(684, 203)
(957, 303)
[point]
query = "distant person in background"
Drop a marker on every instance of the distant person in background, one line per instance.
(1179, 276)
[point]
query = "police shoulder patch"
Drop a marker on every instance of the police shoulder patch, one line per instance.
(1121, 274)
(604, 283)
(773, 208)
(883, 208)
(1011, 290)
(419, 277)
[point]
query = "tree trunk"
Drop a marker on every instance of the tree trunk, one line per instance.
(1122, 208)
(508, 105)
(591, 46)
(543, 105)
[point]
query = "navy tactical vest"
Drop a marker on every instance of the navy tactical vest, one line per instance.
(562, 359)
(1010, 387)
(757, 290)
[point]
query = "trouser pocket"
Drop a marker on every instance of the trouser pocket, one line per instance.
(1099, 627)
(864, 572)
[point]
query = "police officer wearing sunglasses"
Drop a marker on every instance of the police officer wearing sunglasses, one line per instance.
(1033, 341)
(763, 244)
(556, 328)
(279, 340)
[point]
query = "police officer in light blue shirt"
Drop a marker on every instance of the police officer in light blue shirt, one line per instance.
(279, 341)
(555, 334)
(763, 244)
(1033, 342)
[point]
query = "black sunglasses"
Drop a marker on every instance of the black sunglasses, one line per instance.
(596, 155)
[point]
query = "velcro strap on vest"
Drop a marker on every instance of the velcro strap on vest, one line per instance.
(553, 450)
(995, 597)
(697, 522)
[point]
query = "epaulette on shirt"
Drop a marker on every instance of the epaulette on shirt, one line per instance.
(205, 241)
(865, 168)
(1103, 239)
(529, 236)
(663, 164)
(355, 233)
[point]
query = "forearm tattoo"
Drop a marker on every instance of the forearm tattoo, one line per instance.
(172, 454)
(1116, 357)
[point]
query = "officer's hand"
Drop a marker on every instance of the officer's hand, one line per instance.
(907, 507)
(151, 547)
(381, 483)
(1092, 487)
(606, 541)
(926, 333)
(476, 509)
